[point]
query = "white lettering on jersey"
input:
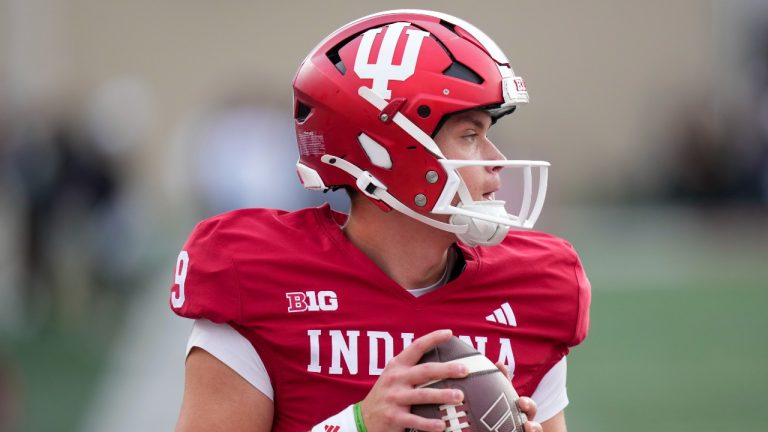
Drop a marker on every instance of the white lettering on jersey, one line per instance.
(310, 301)
(374, 367)
(384, 70)
(180, 277)
(344, 345)
(346, 348)
(506, 356)
(314, 351)
(478, 343)
(407, 339)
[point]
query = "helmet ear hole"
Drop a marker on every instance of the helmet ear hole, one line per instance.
(302, 111)
(424, 111)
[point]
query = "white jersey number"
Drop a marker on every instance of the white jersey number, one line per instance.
(177, 295)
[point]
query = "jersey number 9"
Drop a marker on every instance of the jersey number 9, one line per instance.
(177, 296)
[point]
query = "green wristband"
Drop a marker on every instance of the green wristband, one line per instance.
(359, 418)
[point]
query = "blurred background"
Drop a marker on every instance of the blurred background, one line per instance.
(123, 123)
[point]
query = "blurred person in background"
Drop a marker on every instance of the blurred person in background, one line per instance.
(231, 144)
(67, 175)
(59, 180)
(720, 147)
(281, 297)
(759, 77)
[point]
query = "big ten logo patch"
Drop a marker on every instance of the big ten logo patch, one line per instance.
(311, 301)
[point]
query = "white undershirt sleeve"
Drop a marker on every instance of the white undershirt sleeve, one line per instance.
(234, 350)
(551, 396)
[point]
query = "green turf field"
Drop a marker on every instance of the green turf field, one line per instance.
(678, 322)
(57, 372)
(673, 360)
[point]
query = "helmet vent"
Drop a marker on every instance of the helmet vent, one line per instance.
(335, 58)
(302, 111)
(449, 26)
(458, 70)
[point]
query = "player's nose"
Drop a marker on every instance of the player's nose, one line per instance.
(493, 153)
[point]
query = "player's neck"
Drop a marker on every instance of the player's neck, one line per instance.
(411, 253)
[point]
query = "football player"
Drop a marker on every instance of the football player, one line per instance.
(316, 320)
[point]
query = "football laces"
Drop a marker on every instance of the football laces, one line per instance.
(453, 418)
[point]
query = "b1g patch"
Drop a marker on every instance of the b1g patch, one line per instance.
(311, 301)
(515, 90)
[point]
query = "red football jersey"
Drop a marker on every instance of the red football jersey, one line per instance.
(325, 319)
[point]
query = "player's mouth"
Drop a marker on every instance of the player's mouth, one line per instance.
(490, 196)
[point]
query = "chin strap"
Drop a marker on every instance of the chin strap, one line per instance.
(372, 187)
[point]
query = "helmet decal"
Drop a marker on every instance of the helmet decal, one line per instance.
(384, 69)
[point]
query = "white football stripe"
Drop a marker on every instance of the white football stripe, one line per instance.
(475, 363)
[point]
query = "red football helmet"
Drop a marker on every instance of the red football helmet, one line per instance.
(369, 99)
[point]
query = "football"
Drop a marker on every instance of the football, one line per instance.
(490, 401)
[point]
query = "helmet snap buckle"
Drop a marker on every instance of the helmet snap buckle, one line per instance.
(368, 184)
(388, 113)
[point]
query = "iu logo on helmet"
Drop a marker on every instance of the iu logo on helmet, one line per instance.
(384, 70)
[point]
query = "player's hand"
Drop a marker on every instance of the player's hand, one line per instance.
(526, 404)
(387, 407)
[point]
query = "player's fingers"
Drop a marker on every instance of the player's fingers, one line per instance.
(414, 422)
(423, 396)
(532, 426)
(427, 372)
(503, 368)
(414, 351)
(528, 406)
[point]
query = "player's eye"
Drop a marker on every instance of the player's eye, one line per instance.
(470, 136)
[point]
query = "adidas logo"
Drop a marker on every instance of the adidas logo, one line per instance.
(503, 315)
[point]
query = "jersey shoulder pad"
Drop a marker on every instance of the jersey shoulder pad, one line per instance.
(560, 280)
(205, 281)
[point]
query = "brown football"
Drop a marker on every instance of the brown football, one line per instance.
(490, 401)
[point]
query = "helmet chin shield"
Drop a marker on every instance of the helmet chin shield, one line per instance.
(489, 220)
(481, 232)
